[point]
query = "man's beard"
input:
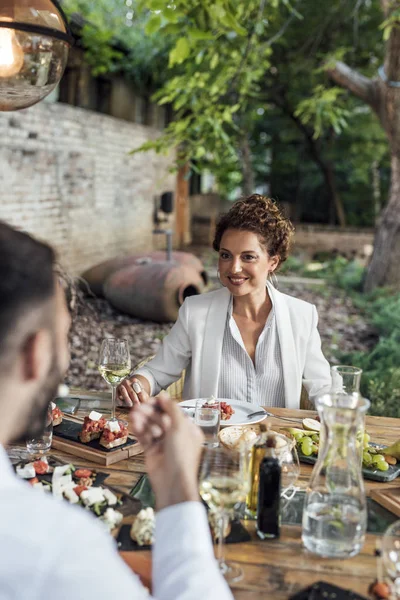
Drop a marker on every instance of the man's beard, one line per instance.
(37, 417)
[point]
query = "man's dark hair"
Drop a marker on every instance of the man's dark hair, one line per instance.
(26, 282)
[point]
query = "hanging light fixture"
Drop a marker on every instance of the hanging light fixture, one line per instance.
(34, 44)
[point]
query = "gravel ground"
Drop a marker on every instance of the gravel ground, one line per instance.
(340, 325)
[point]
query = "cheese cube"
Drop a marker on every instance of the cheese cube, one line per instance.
(95, 416)
(113, 426)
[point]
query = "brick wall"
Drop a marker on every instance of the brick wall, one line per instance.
(66, 177)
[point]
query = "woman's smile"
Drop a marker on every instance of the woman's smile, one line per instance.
(237, 280)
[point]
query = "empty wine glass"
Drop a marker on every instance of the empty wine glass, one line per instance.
(114, 365)
(391, 557)
(224, 484)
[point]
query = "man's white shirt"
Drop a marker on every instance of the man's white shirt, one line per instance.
(50, 550)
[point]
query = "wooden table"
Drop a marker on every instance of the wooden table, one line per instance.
(277, 569)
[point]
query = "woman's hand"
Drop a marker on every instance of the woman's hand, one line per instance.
(132, 391)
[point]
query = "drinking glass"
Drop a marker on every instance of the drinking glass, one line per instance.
(224, 484)
(42, 443)
(208, 416)
(114, 365)
(346, 382)
(391, 557)
(346, 379)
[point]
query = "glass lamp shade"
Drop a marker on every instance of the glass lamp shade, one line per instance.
(34, 44)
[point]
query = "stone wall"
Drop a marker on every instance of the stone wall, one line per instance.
(67, 178)
(308, 239)
(348, 241)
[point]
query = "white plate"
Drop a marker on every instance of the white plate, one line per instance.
(242, 409)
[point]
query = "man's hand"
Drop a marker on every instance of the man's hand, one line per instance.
(172, 447)
(133, 391)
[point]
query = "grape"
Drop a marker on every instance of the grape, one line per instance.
(314, 449)
(367, 459)
(306, 446)
(366, 439)
(315, 438)
(372, 449)
(382, 465)
(377, 460)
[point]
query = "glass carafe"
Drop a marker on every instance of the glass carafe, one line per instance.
(335, 508)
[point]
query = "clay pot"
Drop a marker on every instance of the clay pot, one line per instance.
(97, 275)
(153, 291)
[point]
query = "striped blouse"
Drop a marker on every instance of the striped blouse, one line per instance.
(240, 379)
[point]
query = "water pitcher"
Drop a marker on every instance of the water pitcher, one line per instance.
(335, 508)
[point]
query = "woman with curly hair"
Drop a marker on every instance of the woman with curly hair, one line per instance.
(246, 341)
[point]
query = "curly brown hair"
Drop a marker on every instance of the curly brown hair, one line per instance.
(260, 215)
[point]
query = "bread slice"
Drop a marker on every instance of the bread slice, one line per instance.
(118, 442)
(88, 436)
(233, 437)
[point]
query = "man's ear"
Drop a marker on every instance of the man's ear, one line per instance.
(37, 356)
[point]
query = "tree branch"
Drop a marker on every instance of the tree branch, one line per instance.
(358, 84)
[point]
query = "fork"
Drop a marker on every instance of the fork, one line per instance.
(268, 414)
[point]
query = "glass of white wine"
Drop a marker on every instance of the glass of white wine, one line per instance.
(114, 365)
(224, 484)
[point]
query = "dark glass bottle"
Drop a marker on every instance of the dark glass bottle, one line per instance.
(269, 493)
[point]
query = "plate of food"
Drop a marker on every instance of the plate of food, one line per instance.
(76, 485)
(233, 412)
(94, 437)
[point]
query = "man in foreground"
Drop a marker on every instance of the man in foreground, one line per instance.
(53, 551)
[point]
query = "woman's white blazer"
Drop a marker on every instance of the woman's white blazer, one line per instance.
(195, 344)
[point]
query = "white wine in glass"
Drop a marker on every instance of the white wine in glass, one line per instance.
(224, 483)
(114, 365)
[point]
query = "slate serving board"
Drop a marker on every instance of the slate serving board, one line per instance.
(144, 493)
(368, 473)
(69, 430)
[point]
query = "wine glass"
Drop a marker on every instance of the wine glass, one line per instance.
(391, 557)
(224, 484)
(114, 365)
(290, 465)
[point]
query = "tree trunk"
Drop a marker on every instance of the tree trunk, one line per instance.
(247, 167)
(327, 170)
(336, 204)
(384, 268)
(376, 189)
(383, 95)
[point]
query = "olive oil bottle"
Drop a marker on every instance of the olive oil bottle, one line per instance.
(257, 455)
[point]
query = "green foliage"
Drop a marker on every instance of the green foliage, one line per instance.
(115, 44)
(392, 21)
(231, 68)
(343, 273)
(381, 366)
(325, 108)
(339, 271)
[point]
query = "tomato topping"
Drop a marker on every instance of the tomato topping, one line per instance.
(34, 480)
(79, 489)
(92, 426)
(82, 473)
(40, 467)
